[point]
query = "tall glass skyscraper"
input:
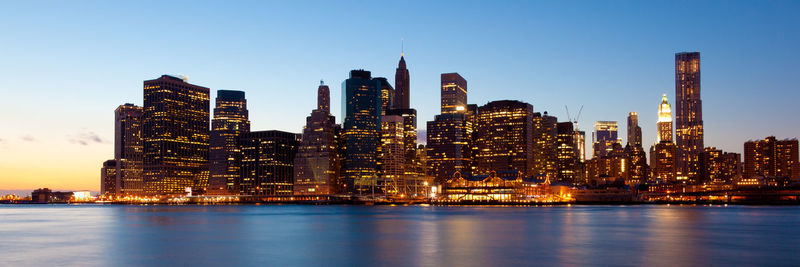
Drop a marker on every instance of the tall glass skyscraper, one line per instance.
(267, 160)
(361, 107)
(175, 134)
(504, 136)
(688, 115)
(230, 121)
(128, 149)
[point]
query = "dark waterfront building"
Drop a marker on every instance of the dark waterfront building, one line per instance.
(688, 115)
(230, 121)
(109, 185)
(504, 136)
(771, 158)
(267, 162)
(545, 150)
(454, 93)
(718, 167)
(175, 135)
(609, 168)
(402, 93)
(634, 131)
(448, 146)
(316, 165)
(568, 163)
(128, 150)
(605, 135)
(361, 107)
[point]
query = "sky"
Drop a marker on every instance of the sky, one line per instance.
(66, 65)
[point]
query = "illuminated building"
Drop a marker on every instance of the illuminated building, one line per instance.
(636, 156)
(175, 134)
(387, 94)
(413, 169)
(568, 162)
(108, 178)
(230, 120)
(605, 135)
(267, 162)
(580, 143)
(609, 168)
(495, 187)
(402, 93)
(128, 149)
(771, 158)
(316, 165)
(664, 124)
(504, 136)
(454, 93)
(448, 146)
(688, 114)
(718, 167)
(391, 154)
(544, 146)
(361, 107)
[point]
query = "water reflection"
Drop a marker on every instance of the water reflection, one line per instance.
(422, 236)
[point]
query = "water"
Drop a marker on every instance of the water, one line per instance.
(290, 235)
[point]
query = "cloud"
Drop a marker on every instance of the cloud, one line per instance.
(86, 138)
(28, 138)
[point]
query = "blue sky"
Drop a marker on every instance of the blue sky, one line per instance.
(65, 66)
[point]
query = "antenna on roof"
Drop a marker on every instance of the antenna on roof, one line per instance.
(402, 47)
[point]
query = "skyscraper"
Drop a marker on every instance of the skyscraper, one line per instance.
(634, 131)
(664, 121)
(175, 133)
(568, 161)
(267, 162)
(605, 135)
(391, 154)
(663, 152)
(316, 165)
(387, 95)
(108, 178)
(230, 121)
(544, 145)
(454, 93)
(636, 156)
(361, 95)
(718, 167)
(504, 136)
(772, 158)
(402, 93)
(688, 114)
(128, 150)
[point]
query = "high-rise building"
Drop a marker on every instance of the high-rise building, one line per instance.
(545, 150)
(771, 158)
(230, 121)
(402, 93)
(634, 131)
(448, 146)
(128, 149)
(391, 154)
(387, 95)
(568, 162)
(580, 143)
(108, 178)
(718, 167)
(664, 124)
(316, 165)
(413, 169)
(688, 115)
(636, 156)
(611, 168)
(454, 93)
(175, 134)
(504, 136)
(605, 135)
(267, 162)
(361, 96)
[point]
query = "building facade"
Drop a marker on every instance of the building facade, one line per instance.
(109, 184)
(402, 93)
(361, 96)
(771, 158)
(175, 133)
(504, 137)
(688, 115)
(230, 121)
(545, 148)
(454, 93)
(267, 162)
(128, 150)
(605, 135)
(317, 163)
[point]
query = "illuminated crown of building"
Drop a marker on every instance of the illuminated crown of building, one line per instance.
(664, 110)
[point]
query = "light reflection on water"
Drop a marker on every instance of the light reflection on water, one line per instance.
(381, 235)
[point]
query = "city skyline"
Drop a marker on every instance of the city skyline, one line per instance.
(83, 139)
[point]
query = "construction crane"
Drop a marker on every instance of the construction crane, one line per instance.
(574, 120)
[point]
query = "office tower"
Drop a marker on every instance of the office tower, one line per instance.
(580, 143)
(636, 156)
(391, 154)
(361, 95)
(718, 167)
(688, 114)
(504, 136)
(108, 178)
(316, 165)
(267, 162)
(634, 131)
(402, 93)
(387, 94)
(128, 149)
(413, 170)
(544, 146)
(175, 134)
(771, 158)
(448, 146)
(664, 124)
(568, 162)
(605, 135)
(454, 93)
(230, 121)
(608, 169)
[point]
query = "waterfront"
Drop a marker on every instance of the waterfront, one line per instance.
(283, 235)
